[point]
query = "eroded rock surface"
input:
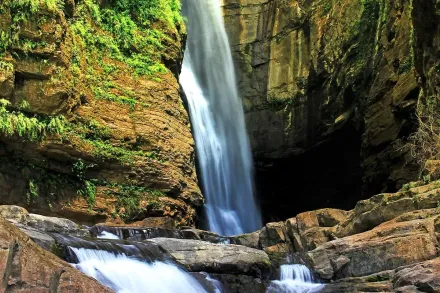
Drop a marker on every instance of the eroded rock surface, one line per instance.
(199, 256)
(25, 267)
(335, 83)
(118, 148)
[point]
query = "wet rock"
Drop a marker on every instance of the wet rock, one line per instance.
(44, 240)
(198, 256)
(240, 283)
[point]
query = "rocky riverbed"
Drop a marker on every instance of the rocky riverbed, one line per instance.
(389, 243)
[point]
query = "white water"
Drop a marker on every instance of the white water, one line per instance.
(294, 279)
(126, 275)
(223, 150)
(107, 235)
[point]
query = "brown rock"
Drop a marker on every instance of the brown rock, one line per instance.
(251, 240)
(131, 131)
(303, 67)
(424, 277)
(386, 247)
(28, 268)
(273, 233)
(331, 217)
(306, 221)
(292, 232)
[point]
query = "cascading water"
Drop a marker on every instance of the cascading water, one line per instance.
(294, 279)
(127, 275)
(208, 80)
(117, 264)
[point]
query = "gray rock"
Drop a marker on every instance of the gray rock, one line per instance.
(198, 256)
(14, 214)
(42, 239)
(240, 283)
(55, 225)
(251, 240)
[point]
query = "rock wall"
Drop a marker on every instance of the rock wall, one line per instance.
(92, 126)
(309, 70)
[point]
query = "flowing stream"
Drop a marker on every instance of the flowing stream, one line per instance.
(223, 150)
(128, 275)
(294, 279)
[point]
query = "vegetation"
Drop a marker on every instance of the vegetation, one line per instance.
(107, 41)
(129, 198)
(14, 122)
(425, 142)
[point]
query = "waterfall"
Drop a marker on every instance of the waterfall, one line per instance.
(217, 117)
(294, 279)
(131, 273)
(127, 275)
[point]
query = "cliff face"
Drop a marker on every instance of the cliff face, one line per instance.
(91, 121)
(335, 73)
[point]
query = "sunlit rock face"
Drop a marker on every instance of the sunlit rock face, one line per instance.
(313, 73)
(125, 133)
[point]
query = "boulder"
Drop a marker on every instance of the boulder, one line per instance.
(44, 240)
(272, 234)
(14, 214)
(424, 277)
(25, 267)
(56, 225)
(389, 246)
(251, 240)
(199, 256)
(240, 283)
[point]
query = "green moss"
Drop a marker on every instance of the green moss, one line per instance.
(130, 196)
(32, 193)
(33, 6)
(16, 123)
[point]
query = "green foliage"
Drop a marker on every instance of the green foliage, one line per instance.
(124, 30)
(406, 65)
(106, 151)
(33, 6)
(32, 193)
(88, 190)
(16, 123)
(129, 197)
(327, 7)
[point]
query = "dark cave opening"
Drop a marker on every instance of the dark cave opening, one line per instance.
(327, 176)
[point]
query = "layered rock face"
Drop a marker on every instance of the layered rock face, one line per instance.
(388, 243)
(25, 267)
(90, 128)
(337, 81)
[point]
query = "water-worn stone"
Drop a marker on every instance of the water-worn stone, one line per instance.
(199, 256)
(239, 283)
(386, 247)
(424, 276)
(25, 267)
(56, 225)
(14, 214)
(251, 240)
